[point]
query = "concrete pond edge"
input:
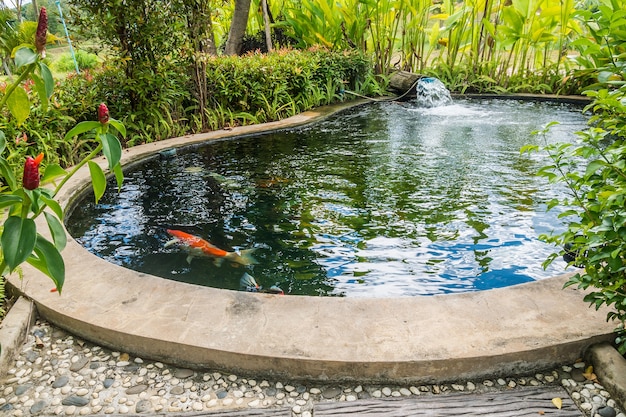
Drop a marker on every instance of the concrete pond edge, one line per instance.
(608, 364)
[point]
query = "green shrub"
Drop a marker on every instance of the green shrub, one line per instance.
(266, 87)
(254, 88)
(594, 170)
(85, 61)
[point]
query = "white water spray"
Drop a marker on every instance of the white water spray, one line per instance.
(432, 93)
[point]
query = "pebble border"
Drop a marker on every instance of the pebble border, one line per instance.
(56, 373)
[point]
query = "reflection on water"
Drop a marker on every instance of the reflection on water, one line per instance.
(385, 200)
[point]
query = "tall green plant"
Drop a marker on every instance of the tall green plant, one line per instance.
(23, 201)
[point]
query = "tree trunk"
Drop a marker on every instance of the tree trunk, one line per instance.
(266, 21)
(202, 39)
(237, 27)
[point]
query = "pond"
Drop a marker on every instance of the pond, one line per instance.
(383, 200)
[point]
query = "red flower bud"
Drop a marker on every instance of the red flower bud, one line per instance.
(103, 113)
(30, 181)
(42, 32)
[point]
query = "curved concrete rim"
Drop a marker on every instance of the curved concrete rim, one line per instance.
(514, 330)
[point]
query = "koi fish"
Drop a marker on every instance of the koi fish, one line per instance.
(198, 247)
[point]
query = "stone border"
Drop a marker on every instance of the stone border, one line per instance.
(502, 331)
(610, 367)
(13, 331)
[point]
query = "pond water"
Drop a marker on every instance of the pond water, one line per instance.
(383, 200)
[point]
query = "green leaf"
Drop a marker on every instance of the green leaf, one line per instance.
(7, 173)
(3, 141)
(119, 126)
(53, 205)
(19, 105)
(594, 166)
(49, 261)
(40, 88)
(18, 240)
(52, 172)
(7, 200)
(98, 180)
(46, 75)
(25, 56)
(111, 148)
(119, 176)
(82, 127)
(56, 230)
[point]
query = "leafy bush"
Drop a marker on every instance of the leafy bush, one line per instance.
(85, 61)
(594, 170)
(265, 87)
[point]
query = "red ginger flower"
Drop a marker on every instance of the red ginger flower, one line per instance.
(103, 113)
(30, 180)
(42, 32)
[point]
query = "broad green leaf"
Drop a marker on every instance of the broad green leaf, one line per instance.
(111, 148)
(594, 166)
(52, 172)
(119, 176)
(82, 127)
(18, 240)
(19, 105)
(46, 76)
(119, 126)
(7, 173)
(98, 180)
(40, 88)
(3, 142)
(57, 231)
(53, 204)
(49, 261)
(8, 200)
(25, 56)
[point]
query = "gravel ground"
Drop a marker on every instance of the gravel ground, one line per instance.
(58, 374)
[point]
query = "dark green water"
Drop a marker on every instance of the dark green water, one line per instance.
(382, 200)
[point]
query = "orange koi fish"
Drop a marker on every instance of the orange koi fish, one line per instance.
(197, 247)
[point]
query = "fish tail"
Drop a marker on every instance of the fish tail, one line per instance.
(244, 257)
(247, 258)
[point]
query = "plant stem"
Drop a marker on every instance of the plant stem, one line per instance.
(92, 155)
